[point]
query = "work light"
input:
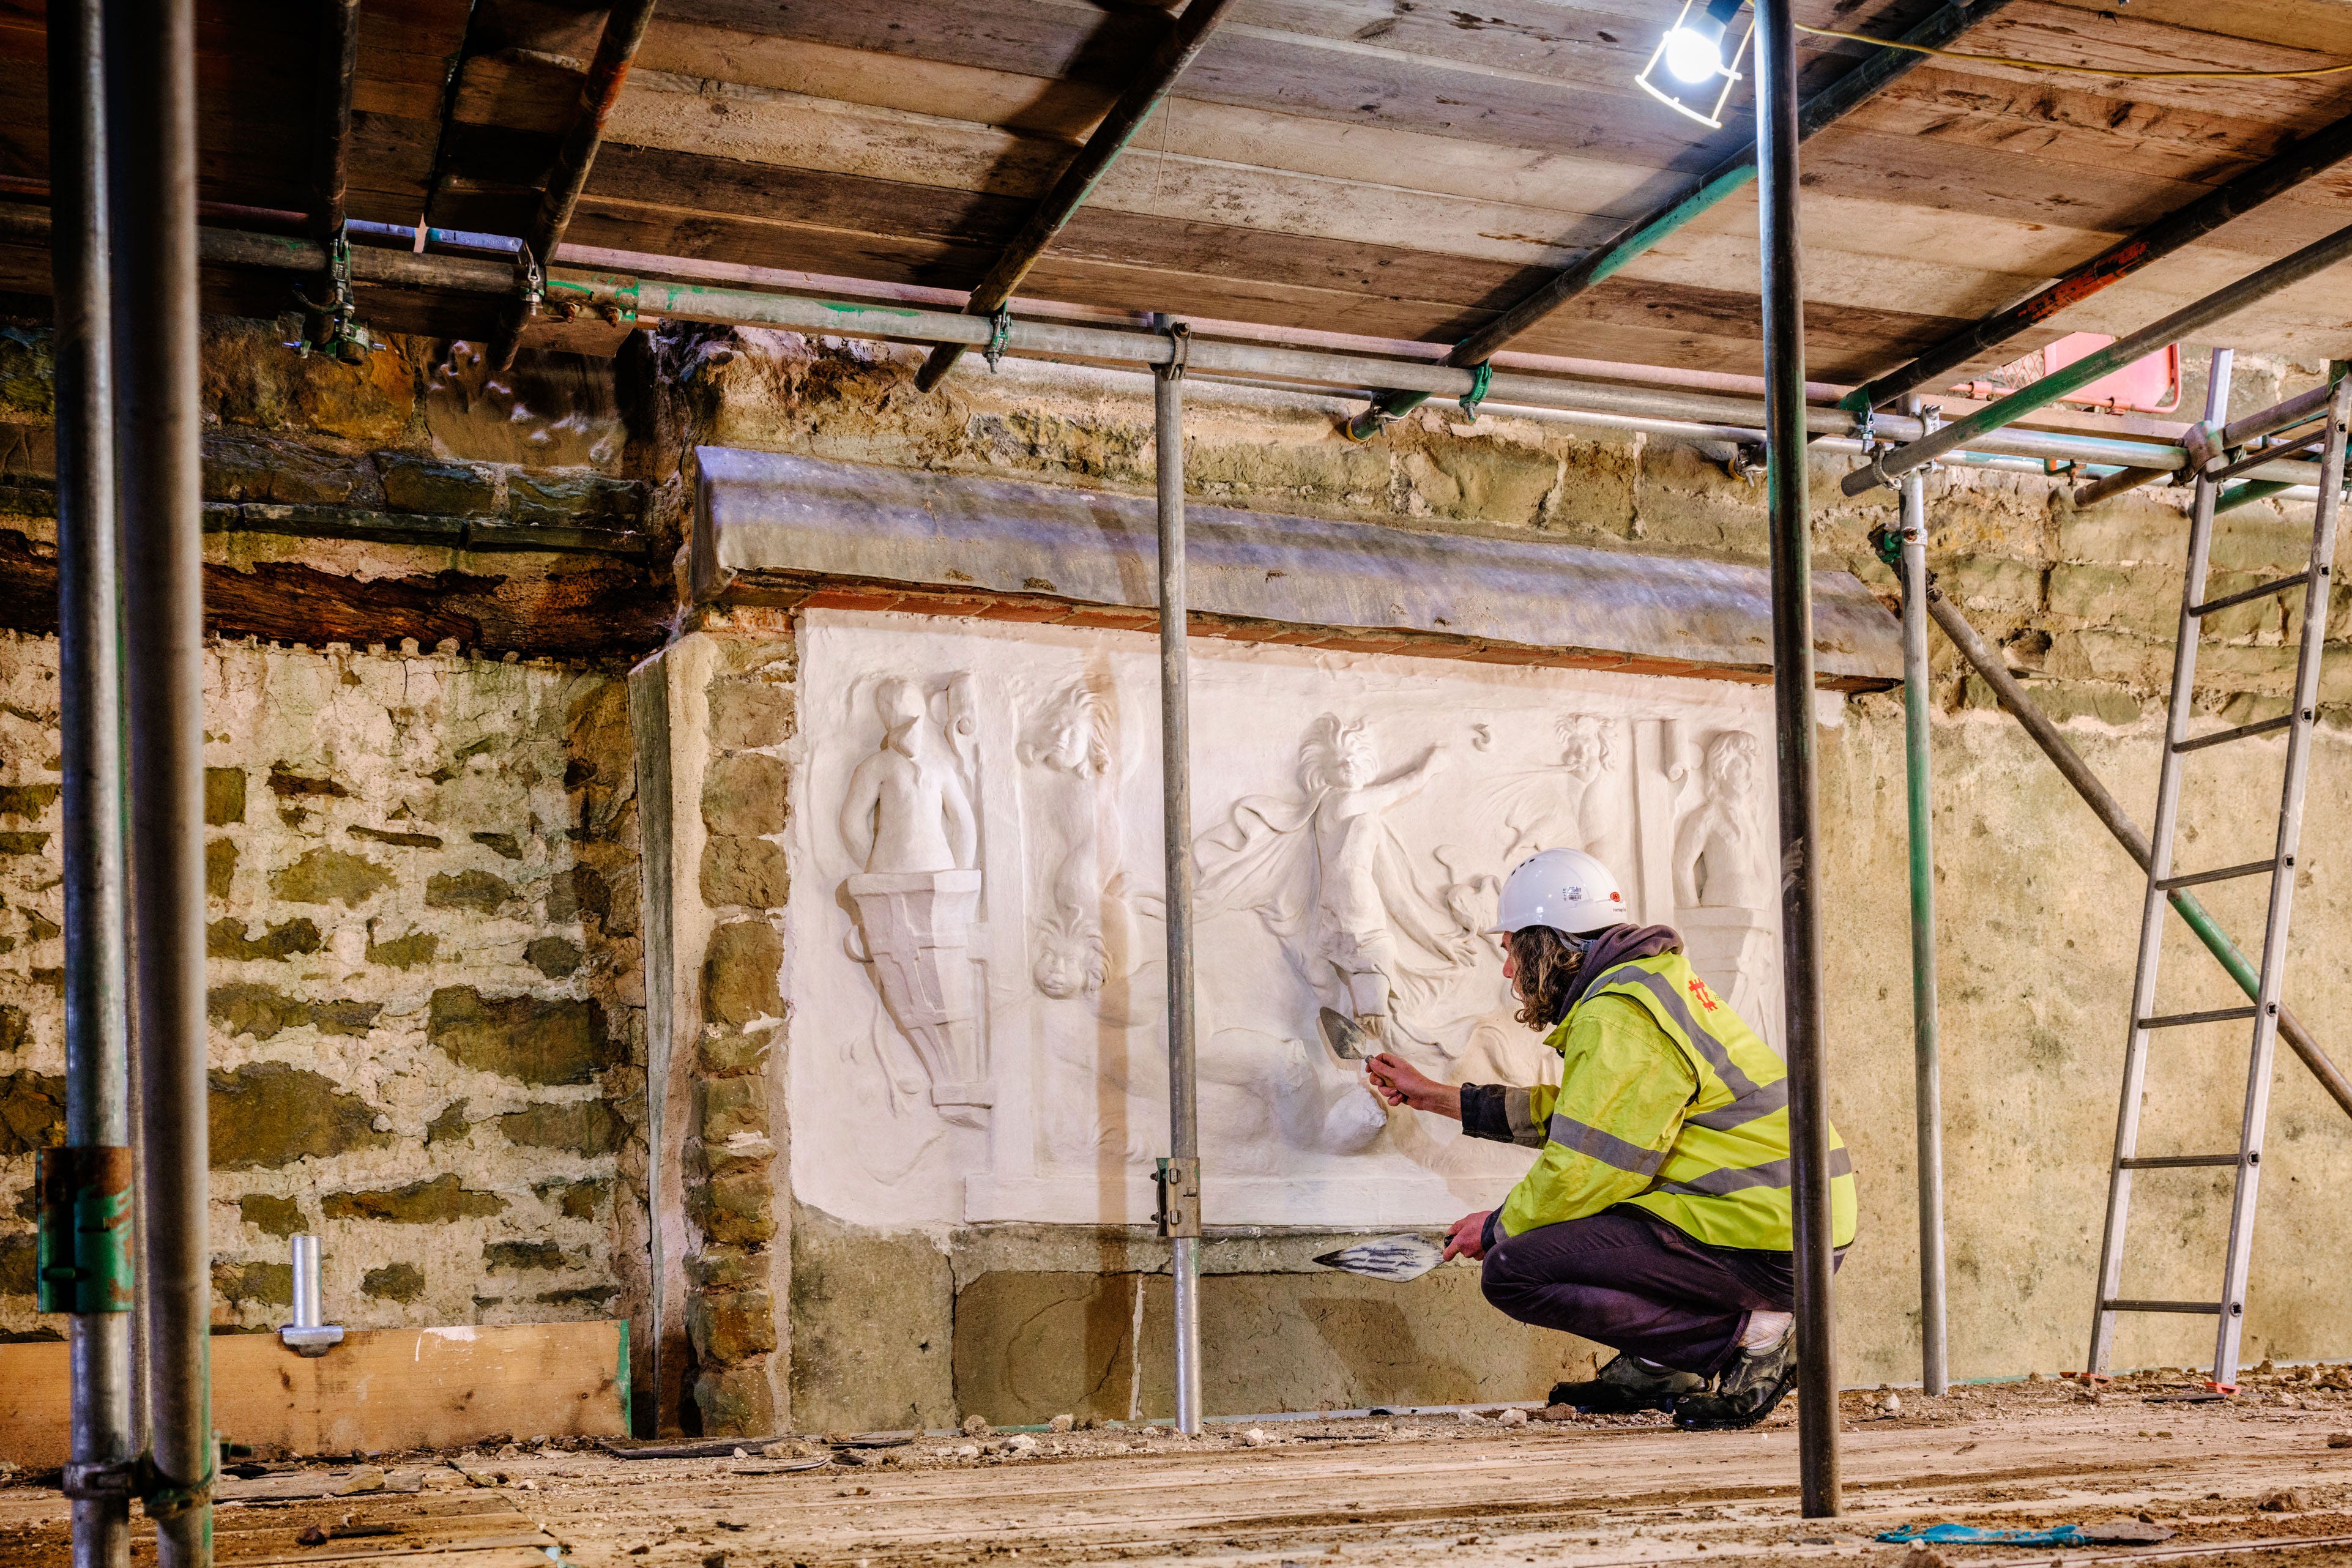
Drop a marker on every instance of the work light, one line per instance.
(1692, 70)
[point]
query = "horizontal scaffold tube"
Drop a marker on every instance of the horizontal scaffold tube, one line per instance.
(637, 297)
(2219, 306)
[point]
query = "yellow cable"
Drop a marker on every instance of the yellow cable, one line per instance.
(2078, 70)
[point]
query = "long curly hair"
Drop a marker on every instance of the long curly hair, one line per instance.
(1546, 965)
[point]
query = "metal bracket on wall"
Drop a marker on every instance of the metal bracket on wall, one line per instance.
(1180, 1197)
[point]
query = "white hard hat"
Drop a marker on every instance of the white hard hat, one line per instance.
(1566, 889)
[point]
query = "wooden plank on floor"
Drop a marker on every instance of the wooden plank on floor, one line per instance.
(381, 1388)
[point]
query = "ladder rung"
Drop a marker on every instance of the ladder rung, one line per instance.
(2211, 1309)
(2174, 1020)
(2198, 879)
(2264, 592)
(2176, 1162)
(2244, 732)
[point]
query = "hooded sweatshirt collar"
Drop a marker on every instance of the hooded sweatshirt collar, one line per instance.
(1619, 944)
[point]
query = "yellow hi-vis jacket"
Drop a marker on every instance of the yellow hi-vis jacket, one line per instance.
(1667, 1100)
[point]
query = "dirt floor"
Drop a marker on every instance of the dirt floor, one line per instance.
(2265, 1477)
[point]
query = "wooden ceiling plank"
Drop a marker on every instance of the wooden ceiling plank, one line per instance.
(982, 111)
(1723, 178)
(795, 134)
(1577, 47)
(1014, 35)
(1152, 250)
(408, 49)
(2322, 26)
(2074, 127)
(1616, 121)
(1037, 105)
(2117, 40)
(1611, 119)
(2184, 225)
(1968, 182)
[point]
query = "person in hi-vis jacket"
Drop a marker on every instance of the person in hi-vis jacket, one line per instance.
(1658, 1219)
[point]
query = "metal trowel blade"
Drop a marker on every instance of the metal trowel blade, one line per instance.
(1346, 1040)
(1396, 1257)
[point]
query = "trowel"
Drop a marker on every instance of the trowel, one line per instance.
(1347, 1038)
(1398, 1257)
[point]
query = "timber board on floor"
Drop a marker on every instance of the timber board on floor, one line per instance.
(380, 1389)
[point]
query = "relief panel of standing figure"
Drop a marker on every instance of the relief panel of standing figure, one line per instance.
(1724, 895)
(908, 820)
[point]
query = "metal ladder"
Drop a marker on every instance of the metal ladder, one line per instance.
(2313, 579)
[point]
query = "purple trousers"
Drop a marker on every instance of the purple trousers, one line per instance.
(1633, 1283)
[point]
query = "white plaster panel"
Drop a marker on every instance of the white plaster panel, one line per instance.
(977, 969)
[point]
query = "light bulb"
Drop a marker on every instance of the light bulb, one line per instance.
(1694, 56)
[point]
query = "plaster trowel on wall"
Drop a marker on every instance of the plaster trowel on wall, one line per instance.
(1349, 1041)
(1398, 1257)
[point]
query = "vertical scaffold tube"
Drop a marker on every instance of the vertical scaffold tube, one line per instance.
(1928, 1098)
(97, 1040)
(1180, 1188)
(1788, 523)
(151, 97)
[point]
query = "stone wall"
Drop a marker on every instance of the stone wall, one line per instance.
(427, 1039)
(2039, 911)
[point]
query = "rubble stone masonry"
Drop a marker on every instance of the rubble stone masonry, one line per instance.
(423, 977)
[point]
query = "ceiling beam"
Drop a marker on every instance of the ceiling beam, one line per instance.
(1728, 177)
(339, 61)
(1176, 50)
(2275, 176)
(624, 29)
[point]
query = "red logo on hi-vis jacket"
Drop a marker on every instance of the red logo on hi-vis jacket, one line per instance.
(1706, 998)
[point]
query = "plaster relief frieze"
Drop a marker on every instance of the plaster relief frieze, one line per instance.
(977, 852)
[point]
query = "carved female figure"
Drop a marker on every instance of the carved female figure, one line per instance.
(1341, 907)
(1720, 859)
(907, 809)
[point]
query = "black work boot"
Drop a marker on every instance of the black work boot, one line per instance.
(1628, 1384)
(1745, 1392)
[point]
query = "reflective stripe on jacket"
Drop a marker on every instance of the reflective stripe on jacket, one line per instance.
(1667, 1100)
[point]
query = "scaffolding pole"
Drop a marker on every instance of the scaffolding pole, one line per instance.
(151, 102)
(1928, 1100)
(1180, 1174)
(1787, 519)
(85, 1187)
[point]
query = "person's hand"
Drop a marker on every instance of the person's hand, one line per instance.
(1400, 1082)
(1468, 1237)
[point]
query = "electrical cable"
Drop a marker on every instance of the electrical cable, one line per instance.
(2077, 70)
